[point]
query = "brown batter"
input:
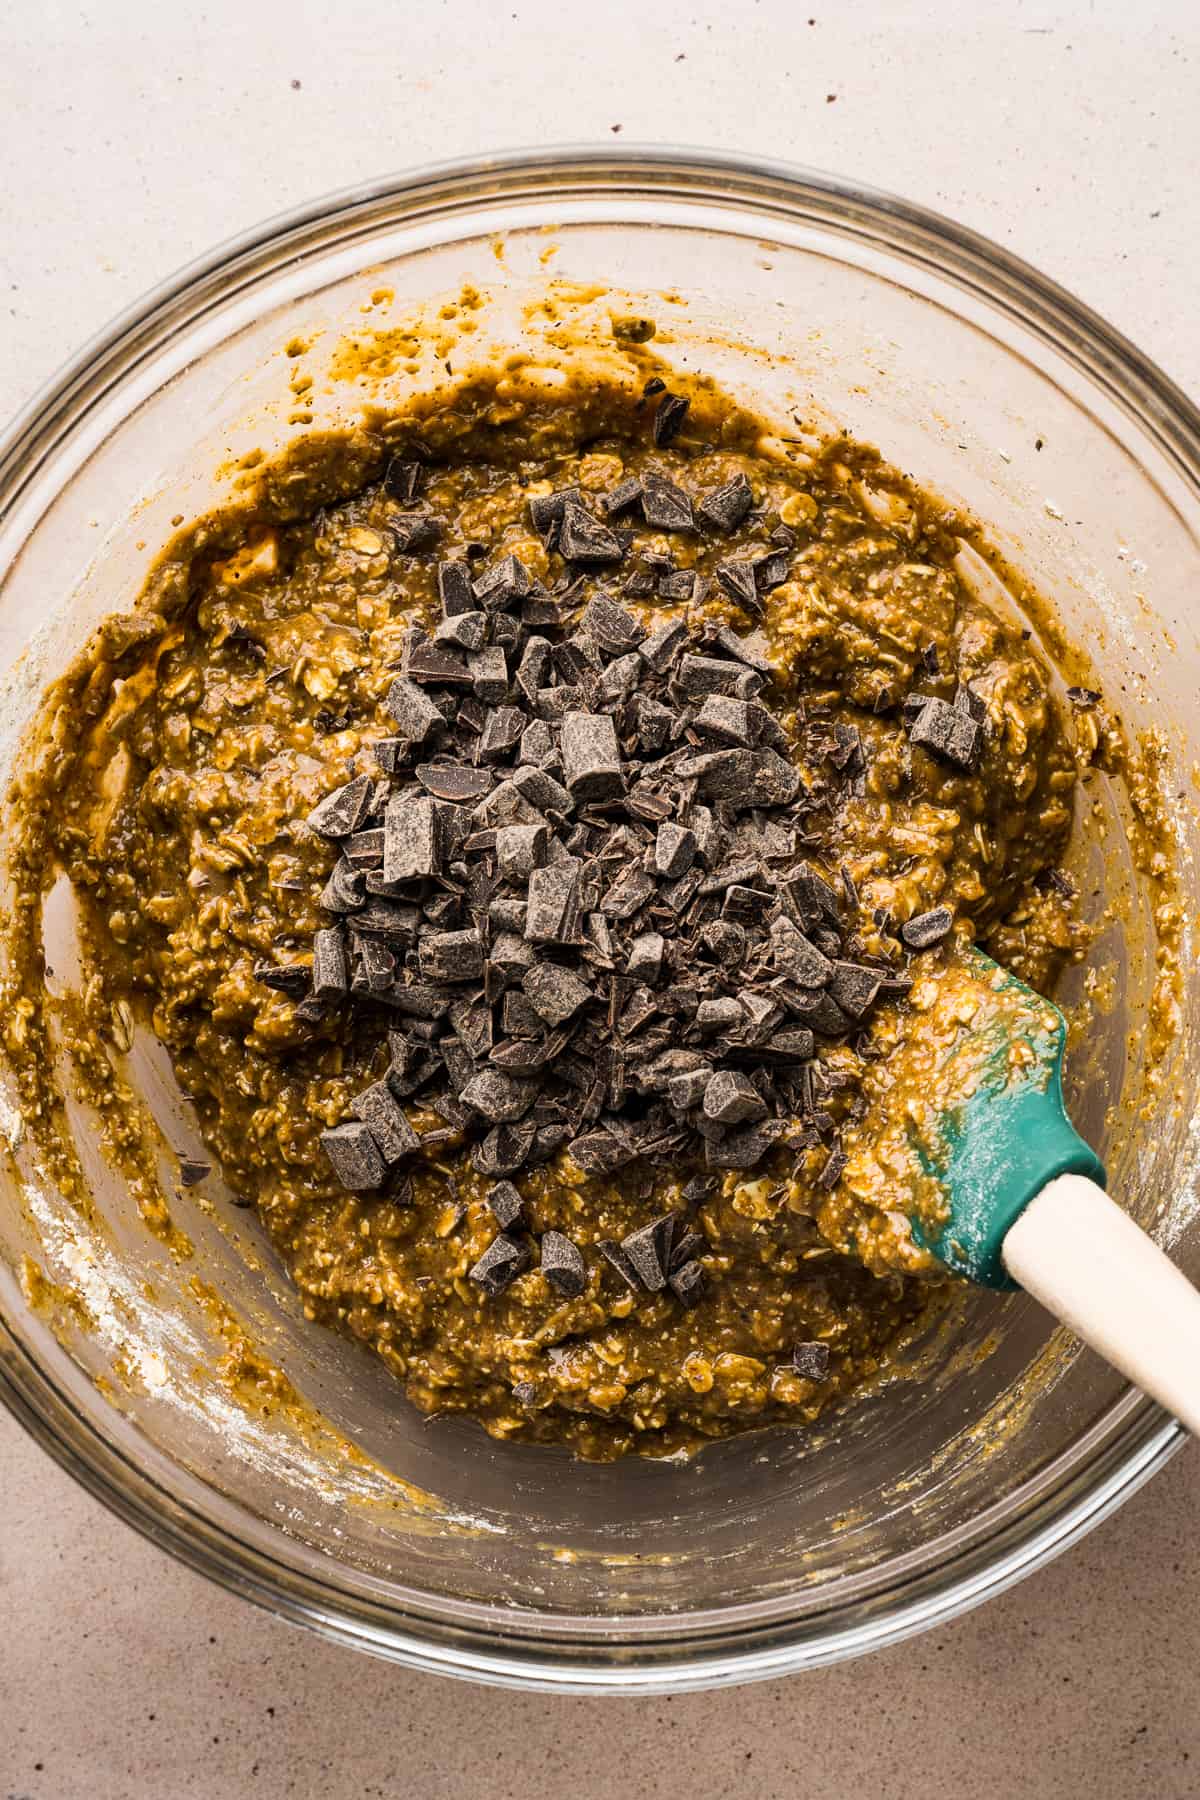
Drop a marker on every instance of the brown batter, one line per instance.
(207, 736)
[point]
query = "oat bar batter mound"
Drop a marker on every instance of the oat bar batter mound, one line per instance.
(534, 863)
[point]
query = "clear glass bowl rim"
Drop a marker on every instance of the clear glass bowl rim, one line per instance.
(648, 1654)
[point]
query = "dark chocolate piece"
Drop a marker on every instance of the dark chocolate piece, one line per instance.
(591, 756)
(583, 539)
(504, 1259)
(687, 1283)
(617, 1260)
(411, 839)
(562, 1265)
(414, 712)
(354, 1157)
(666, 507)
(949, 733)
(725, 507)
(330, 970)
(627, 493)
(927, 929)
(344, 810)
(555, 993)
(387, 1121)
(736, 577)
(455, 588)
(647, 1251)
(505, 1204)
(402, 479)
(732, 1099)
(669, 415)
(674, 850)
(451, 956)
(811, 1361)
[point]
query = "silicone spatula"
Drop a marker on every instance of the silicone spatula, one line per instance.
(1025, 1194)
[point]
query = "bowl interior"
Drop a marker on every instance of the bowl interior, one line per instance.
(817, 314)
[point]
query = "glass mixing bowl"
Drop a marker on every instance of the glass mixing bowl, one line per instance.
(431, 1543)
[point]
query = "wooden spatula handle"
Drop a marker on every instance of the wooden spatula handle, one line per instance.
(1089, 1264)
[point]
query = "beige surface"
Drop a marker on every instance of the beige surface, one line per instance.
(133, 138)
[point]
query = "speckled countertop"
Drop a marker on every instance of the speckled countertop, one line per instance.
(135, 136)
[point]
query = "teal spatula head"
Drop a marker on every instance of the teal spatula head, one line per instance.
(1003, 1132)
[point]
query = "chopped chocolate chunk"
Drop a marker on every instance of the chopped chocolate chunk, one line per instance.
(330, 970)
(364, 850)
(454, 588)
(771, 571)
(648, 1250)
(674, 850)
(611, 626)
(628, 894)
(551, 902)
(402, 479)
(795, 956)
(435, 664)
(725, 507)
(414, 712)
(669, 415)
(451, 956)
(948, 732)
(646, 952)
(662, 646)
(414, 531)
(927, 929)
(504, 1149)
(1083, 698)
(498, 1096)
(546, 510)
(562, 1265)
(966, 700)
(831, 1174)
(354, 1157)
(627, 493)
(701, 675)
(343, 811)
(555, 993)
(599, 1152)
(749, 647)
(382, 1113)
(377, 963)
(687, 1283)
(505, 1204)
(192, 1173)
(732, 1099)
(504, 1259)
(540, 789)
(488, 670)
(811, 1361)
(583, 539)
(854, 987)
(617, 1260)
(666, 507)
(736, 577)
(677, 585)
(411, 839)
(287, 978)
(591, 756)
(688, 1089)
(345, 890)
(725, 719)
(453, 781)
(719, 1015)
(506, 581)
